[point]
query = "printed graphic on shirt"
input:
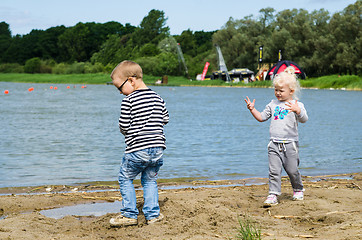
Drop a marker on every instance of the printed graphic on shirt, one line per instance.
(280, 113)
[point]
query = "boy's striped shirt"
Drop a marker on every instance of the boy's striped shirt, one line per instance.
(143, 115)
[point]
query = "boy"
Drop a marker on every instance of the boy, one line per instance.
(143, 115)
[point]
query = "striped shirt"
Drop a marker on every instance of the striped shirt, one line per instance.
(143, 115)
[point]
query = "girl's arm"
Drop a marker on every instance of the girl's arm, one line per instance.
(299, 109)
(251, 106)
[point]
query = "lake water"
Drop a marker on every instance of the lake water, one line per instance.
(69, 136)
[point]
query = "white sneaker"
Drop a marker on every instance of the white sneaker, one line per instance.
(156, 219)
(298, 196)
(120, 221)
(271, 200)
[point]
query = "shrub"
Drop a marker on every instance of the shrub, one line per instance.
(11, 68)
(60, 68)
(162, 64)
(45, 67)
(76, 68)
(149, 49)
(109, 68)
(93, 68)
(32, 65)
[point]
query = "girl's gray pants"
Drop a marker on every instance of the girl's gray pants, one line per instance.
(283, 155)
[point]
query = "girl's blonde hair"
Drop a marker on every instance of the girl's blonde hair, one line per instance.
(288, 77)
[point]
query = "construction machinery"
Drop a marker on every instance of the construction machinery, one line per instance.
(236, 74)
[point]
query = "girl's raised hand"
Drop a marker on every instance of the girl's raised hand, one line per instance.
(250, 105)
(293, 107)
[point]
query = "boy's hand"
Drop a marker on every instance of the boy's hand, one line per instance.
(250, 105)
(293, 107)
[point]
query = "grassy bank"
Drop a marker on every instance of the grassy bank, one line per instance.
(349, 82)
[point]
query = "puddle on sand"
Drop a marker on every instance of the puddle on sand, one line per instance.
(91, 209)
(100, 209)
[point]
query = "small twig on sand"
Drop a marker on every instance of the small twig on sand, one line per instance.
(341, 212)
(355, 184)
(285, 217)
(305, 236)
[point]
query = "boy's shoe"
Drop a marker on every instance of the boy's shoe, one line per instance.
(156, 219)
(298, 196)
(120, 221)
(271, 200)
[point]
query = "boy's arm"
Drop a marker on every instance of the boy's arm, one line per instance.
(125, 118)
(251, 106)
(165, 115)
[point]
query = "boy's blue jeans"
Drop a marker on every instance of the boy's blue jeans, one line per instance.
(147, 162)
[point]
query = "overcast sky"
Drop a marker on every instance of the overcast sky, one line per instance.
(196, 15)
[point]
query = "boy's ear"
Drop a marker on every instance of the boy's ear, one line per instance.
(132, 80)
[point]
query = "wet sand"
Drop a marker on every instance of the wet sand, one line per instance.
(193, 210)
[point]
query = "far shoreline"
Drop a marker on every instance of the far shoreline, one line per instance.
(191, 85)
(331, 82)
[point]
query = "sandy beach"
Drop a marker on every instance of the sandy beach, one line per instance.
(197, 210)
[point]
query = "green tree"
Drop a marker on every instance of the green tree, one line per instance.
(107, 53)
(32, 45)
(267, 16)
(5, 39)
(319, 62)
(297, 23)
(149, 49)
(49, 43)
(238, 41)
(115, 50)
(168, 44)
(80, 42)
(15, 53)
(203, 41)
(37, 43)
(152, 28)
(73, 43)
(345, 28)
(163, 64)
(187, 42)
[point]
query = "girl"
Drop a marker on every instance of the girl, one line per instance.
(285, 113)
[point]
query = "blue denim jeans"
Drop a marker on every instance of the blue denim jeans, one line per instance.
(147, 162)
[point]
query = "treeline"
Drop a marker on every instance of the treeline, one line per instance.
(322, 44)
